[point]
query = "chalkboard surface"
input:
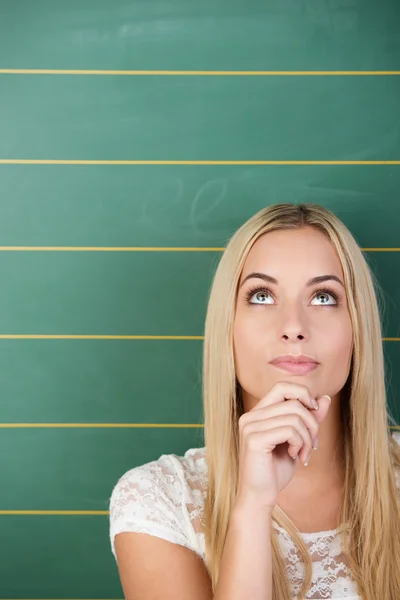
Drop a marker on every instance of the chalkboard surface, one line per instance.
(135, 138)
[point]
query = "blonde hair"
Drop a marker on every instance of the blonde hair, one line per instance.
(370, 502)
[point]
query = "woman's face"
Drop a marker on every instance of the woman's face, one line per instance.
(290, 316)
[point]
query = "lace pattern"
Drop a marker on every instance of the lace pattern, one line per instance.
(165, 498)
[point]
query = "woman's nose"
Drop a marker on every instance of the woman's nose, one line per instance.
(300, 336)
(293, 322)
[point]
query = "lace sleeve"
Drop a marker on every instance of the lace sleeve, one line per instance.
(396, 437)
(147, 499)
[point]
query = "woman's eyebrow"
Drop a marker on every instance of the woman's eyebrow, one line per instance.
(312, 281)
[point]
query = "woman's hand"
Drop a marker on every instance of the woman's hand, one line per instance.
(280, 429)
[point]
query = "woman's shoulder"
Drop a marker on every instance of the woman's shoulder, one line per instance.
(164, 497)
(396, 437)
(166, 472)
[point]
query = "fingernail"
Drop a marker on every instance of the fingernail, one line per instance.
(314, 403)
(308, 460)
(315, 447)
(326, 396)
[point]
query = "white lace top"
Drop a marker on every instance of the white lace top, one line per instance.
(165, 498)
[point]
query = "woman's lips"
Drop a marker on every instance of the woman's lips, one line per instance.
(300, 368)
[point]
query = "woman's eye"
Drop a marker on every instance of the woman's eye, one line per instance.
(261, 298)
(326, 295)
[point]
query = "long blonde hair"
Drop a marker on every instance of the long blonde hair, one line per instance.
(370, 502)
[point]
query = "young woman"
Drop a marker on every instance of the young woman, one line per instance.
(293, 361)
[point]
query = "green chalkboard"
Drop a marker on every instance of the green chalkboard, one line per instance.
(135, 138)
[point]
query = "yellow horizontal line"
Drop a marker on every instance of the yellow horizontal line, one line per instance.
(26, 161)
(111, 425)
(164, 72)
(34, 336)
(136, 249)
(100, 425)
(12, 336)
(103, 249)
(54, 512)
